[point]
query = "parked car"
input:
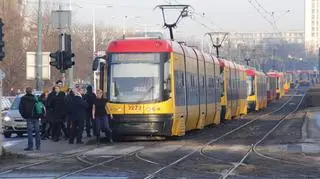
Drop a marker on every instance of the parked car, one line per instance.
(12, 121)
(11, 98)
(5, 104)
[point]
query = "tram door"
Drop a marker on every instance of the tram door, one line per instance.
(102, 79)
(99, 76)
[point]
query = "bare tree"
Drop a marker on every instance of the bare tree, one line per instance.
(14, 63)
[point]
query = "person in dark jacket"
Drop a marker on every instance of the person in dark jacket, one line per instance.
(56, 103)
(90, 97)
(78, 109)
(45, 124)
(49, 109)
(26, 109)
(69, 114)
(99, 114)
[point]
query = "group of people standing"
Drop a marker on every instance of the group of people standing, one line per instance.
(67, 114)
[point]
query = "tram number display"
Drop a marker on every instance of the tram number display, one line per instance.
(135, 107)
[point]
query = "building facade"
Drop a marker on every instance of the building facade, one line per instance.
(312, 19)
(256, 38)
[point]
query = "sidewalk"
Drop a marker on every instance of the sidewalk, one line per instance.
(311, 127)
(48, 147)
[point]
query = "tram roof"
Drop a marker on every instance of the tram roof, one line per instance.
(139, 45)
(251, 72)
(274, 74)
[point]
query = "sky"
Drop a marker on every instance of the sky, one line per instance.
(208, 15)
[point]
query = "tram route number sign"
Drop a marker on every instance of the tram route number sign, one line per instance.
(135, 107)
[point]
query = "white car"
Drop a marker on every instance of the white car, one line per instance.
(12, 121)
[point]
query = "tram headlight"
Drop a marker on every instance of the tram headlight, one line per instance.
(7, 118)
(152, 109)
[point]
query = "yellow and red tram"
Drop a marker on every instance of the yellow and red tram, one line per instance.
(257, 90)
(271, 87)
(158, 87)
(279, 83)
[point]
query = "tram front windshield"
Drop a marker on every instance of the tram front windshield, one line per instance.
(134, 77)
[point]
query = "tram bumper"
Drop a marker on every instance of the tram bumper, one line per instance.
(141, 125)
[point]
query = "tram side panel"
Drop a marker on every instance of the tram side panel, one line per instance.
(210, 95)
(180, 95)
(193, 91)
(243, 108)
(234, 91)
(202, 90)
(218, 88)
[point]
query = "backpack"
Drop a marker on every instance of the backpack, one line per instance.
(38, 108)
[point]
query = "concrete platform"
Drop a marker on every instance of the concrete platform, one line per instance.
(48, 147)
(312, 125)
(310, 142)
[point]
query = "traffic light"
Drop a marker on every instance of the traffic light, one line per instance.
(67, 55)
(62, 59)
(56, 59)
(2, 54)
(67, 59)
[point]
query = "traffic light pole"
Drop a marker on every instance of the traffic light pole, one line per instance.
(62, 48)
(62, 59)
(39, 49)
(70, 71)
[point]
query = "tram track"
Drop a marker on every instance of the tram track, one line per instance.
(77, 156)
(283, 109)
(135, 154)
(91, 165)
(138, 154)
(254, 146)
(54, 157)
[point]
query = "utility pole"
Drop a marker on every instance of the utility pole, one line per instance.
(70, 71)
(39, 49)
(184, 12)
(247, 60)
(218, 43)
(229, 49)
(61, 45)
(94, 30)
(274, 59)
(319, 64)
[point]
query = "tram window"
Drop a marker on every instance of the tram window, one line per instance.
(135, 82)
(203, 82)
(213, 82)
(167, 77)
(182, 79)
(192, 81)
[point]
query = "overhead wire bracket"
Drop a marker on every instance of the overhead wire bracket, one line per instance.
(218, 43)
(183, 13)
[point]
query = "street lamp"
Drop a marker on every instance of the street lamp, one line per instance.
(124, 24)
(94, 26)
(95, 73)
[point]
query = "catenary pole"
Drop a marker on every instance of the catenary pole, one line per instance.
(39, 49)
